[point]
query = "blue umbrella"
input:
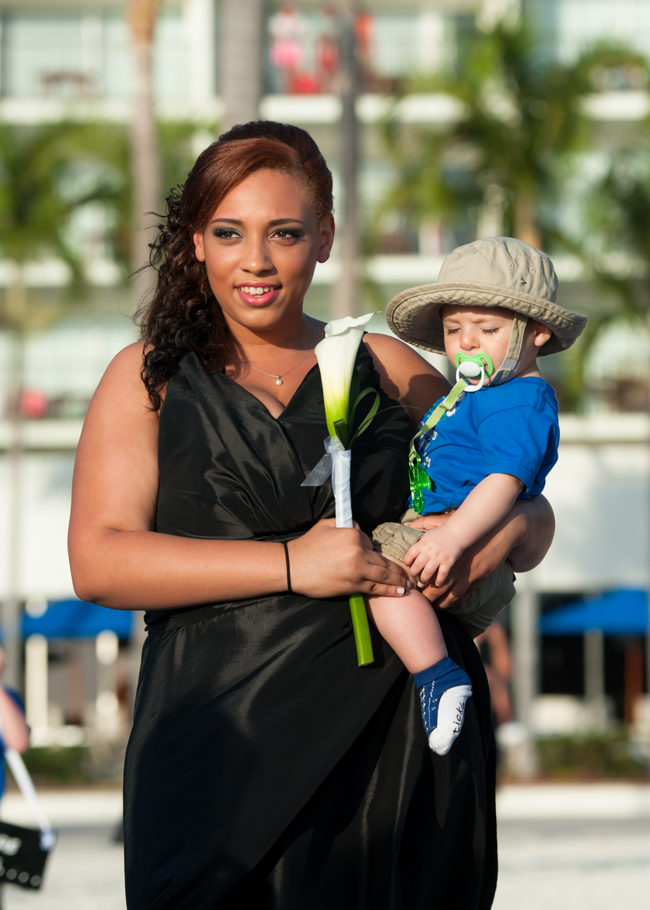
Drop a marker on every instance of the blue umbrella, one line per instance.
(620, 612)
(78, 619)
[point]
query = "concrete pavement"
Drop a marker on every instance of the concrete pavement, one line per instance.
(583, 847)
(574, 801)
(574, 847)
(85, 870)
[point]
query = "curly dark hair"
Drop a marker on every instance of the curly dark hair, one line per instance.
(183, 313)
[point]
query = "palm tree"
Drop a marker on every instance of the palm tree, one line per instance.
(107, 149)
(617, 214)
(345, 291)
(38, 198)
(503, 160)
(241, 53)
(142, 16)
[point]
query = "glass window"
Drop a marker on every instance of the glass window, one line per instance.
(567, 27)
(87, 55)
(170, 58)
(118, 66)
(43, 56)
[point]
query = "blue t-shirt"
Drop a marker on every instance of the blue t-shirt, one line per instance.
(504, 429)
(16, 697)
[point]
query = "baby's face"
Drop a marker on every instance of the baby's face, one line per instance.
(472, 330)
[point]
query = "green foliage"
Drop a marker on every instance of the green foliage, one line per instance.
(617, 212)
(34, 205)
(51, 765)
(511, 160)
(519, 119)
(178, 148)
(109, 147)
(595, 755)
(48, 174)
(58, 764)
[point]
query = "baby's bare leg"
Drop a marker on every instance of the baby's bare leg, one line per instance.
(411, 628)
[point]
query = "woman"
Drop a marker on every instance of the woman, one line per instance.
(265, 769)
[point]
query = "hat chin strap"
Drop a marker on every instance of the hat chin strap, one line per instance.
(510, 361)
(479, 366)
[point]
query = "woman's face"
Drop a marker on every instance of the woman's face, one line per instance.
(261, 248)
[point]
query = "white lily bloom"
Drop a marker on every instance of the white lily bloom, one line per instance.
(336, 355)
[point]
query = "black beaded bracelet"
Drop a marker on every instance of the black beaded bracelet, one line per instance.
(286, 556)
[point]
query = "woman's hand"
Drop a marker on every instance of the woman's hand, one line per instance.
(331, 562)
(523, 537)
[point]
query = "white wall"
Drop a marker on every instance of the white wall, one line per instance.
(45, 495)
(600, 492)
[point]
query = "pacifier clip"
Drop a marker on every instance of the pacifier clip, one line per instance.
(476, 366)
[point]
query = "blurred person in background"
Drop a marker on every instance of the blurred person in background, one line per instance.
(264, 768)
(364, 28)
(327, 49)
(288, 31)
(494, 648)
(14, 732)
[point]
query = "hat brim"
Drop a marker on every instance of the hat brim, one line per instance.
(414, 314)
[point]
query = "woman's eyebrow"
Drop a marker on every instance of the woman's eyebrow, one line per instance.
(274, 223)
(227, 220)
(277, 221)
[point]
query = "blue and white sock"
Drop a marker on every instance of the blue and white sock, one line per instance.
(444, 688)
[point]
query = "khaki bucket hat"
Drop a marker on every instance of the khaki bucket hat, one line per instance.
(495, 272)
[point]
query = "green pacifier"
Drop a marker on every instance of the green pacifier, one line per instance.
(473, 366)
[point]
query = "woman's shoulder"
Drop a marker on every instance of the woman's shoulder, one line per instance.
(124, 374)
(127, 361)
(387, 345)
(393, 356)
(404, 374)
(121, 389)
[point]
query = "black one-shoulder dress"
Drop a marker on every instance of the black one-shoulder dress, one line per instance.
(265, 770)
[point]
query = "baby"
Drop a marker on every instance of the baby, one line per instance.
(492, 440)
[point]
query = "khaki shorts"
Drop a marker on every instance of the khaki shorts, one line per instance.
(483, 604)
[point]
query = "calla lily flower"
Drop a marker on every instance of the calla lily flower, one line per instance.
(336, 355)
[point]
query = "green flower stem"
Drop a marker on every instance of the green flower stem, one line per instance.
(361, 630)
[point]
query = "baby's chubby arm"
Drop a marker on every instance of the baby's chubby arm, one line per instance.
(433, 556)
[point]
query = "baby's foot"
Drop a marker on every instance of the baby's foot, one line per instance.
(444, 688)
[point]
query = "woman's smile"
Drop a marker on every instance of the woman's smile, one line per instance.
(258, 294)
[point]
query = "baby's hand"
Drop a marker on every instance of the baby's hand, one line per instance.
(432, 557)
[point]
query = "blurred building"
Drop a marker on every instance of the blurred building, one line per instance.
(72, 59)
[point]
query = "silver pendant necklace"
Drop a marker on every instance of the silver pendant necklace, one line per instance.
(278, 376)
